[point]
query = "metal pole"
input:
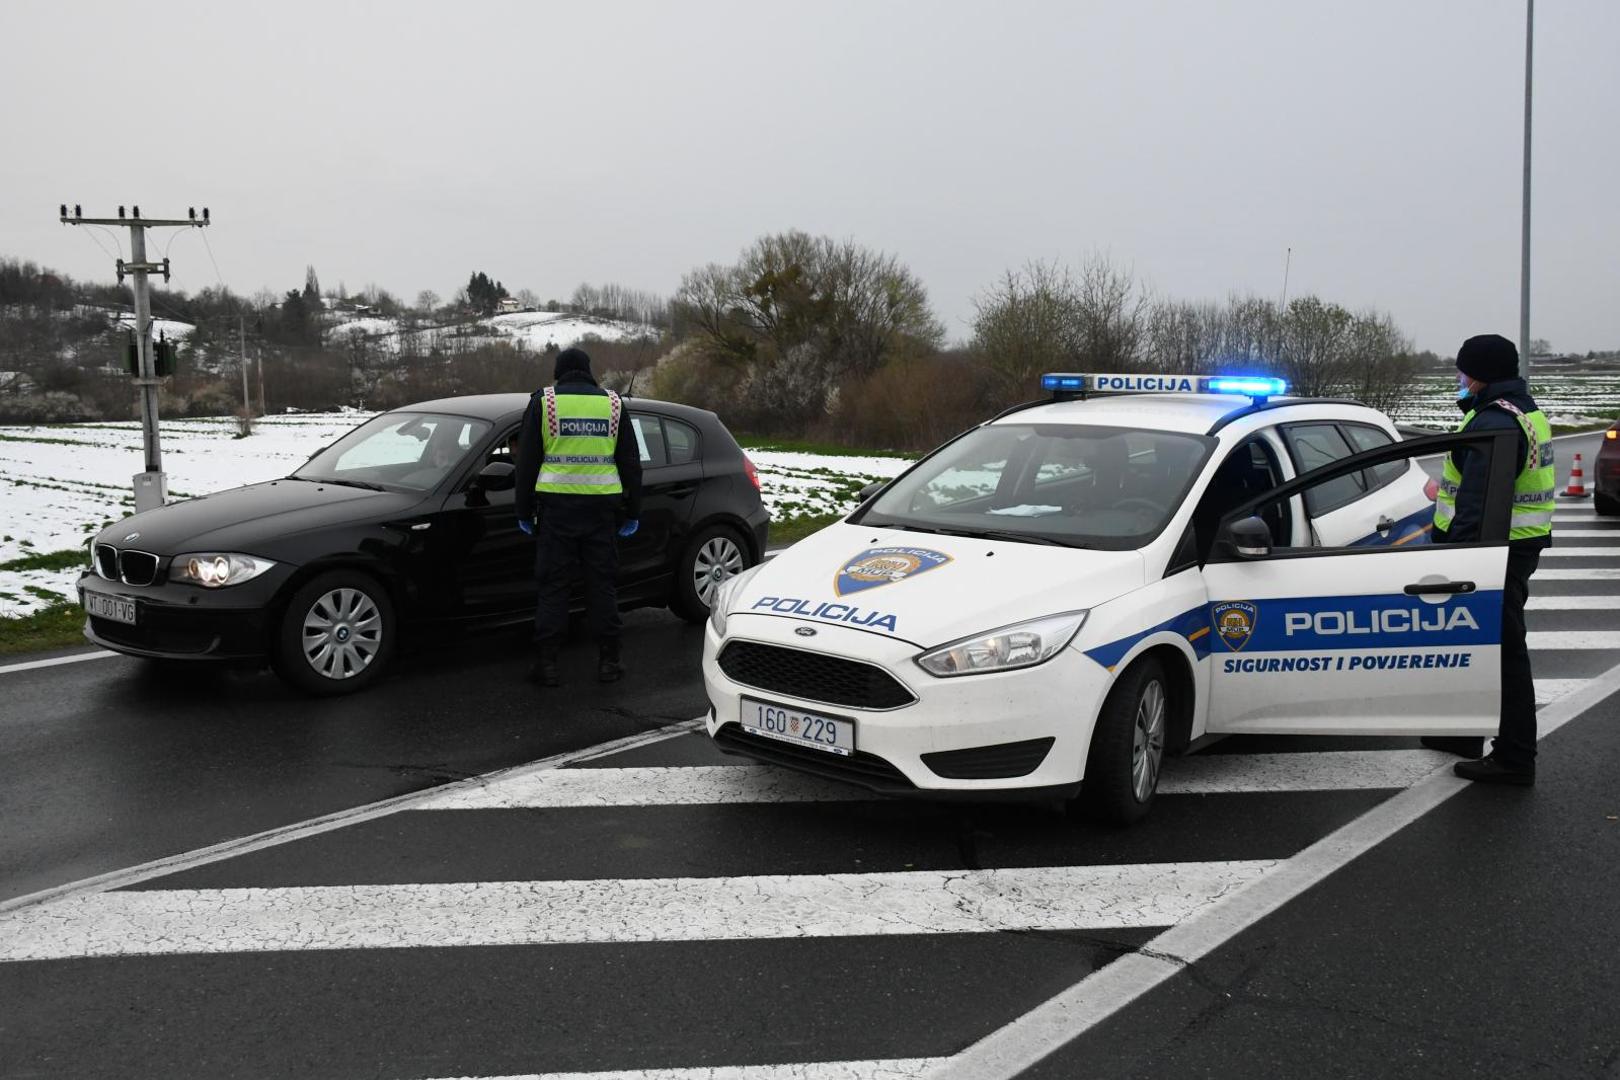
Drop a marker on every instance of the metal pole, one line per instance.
(1524, 264)
(148, 382)
(247, 400)
(1288, 262)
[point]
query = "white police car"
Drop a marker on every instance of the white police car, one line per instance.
(1050, 601)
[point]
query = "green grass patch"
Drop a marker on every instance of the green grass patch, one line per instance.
(792, 530)
(804, 446)
(60, 626)
(40, 439)
(48, 560)
(1577, 429)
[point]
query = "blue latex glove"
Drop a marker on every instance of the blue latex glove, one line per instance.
(526, 526)
(629, 528)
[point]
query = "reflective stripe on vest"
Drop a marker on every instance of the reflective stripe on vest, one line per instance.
(1534, 489)
(580, 434)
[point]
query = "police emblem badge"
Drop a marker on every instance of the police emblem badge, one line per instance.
(1234, 622)
(885, 566)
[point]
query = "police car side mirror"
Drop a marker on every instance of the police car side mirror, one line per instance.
(496, 476)
(1249, 538)
(872, 489)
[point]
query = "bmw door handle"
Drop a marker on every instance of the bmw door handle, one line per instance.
(1440, 588)
(677, 491)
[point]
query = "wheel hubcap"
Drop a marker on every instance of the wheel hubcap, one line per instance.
(342, 633)
(716, 560)
(1147, 743)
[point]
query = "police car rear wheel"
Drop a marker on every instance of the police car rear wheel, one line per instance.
(712, 555)
(1127, 747)
(336, 635)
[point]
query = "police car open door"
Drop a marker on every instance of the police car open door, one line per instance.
(1395, 638)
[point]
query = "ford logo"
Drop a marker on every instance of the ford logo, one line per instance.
(132, 536)
(805, 631)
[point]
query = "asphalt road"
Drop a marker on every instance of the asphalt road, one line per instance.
(114, 761)
(665, 907)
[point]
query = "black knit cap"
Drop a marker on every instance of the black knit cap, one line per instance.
(570, 360)
(1488, 358)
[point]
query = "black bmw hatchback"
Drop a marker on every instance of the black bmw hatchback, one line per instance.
(405, 522)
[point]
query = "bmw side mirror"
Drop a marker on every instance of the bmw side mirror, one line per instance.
(496, 476)
(1249, 538)
(872, 489)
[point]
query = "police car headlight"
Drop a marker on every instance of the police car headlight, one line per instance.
(720, 600)
(1018, 646)
(215, 570)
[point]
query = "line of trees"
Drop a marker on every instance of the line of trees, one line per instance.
(800, 336)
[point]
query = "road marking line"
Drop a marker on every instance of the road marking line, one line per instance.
(172, 864)
(1590, 574)
(478, 913)
(1017, 1046)
(1578, 552)
(1572, 603)
(55, 661)
(1550, 690)
(1573, 639)
(890, 1069)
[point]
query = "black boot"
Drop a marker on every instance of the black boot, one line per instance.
(608, 668)
(1468, 746)
(544, 670)
(1492, 770)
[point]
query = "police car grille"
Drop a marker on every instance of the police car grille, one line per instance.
(996, 762)
(810, 676)
(138, 567)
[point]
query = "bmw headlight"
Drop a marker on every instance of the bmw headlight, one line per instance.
(720, 601)
(1018, 646)
(214, 570)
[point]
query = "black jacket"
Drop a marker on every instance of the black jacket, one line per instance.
(531, 449)
(1465, 524)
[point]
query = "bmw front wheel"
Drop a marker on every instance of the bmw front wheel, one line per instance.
(336, 635)
(713, 554)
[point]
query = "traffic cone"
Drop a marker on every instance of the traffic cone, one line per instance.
(1577, 482)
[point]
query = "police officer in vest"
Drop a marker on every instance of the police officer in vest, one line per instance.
(578, 487)
(1491, 395)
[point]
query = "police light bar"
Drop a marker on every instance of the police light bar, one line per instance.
(1067, 383)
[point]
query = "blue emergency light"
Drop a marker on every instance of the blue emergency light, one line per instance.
(1063, 385)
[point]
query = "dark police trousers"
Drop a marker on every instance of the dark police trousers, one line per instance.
(1515, 743)
(579, 533)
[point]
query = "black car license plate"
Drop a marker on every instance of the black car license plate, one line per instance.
(115, 608)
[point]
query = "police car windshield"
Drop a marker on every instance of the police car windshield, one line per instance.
(1096, 487)
(398, 451)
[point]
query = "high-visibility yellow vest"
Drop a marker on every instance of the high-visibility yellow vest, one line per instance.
(1534, 489)
(579, 434)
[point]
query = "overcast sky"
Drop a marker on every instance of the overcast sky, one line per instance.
(408, 144)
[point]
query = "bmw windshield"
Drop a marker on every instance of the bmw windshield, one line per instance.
(398, 451)
(1089, 487)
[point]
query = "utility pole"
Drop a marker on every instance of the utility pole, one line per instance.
(1524, 240)
(247, 399)
(1288, 263)
(151, 487)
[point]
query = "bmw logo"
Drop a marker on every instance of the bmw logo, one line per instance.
(132, 536)
(805, 631)
(343, 634)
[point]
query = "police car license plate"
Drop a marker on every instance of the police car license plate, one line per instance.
(115, 608)
(800, 727)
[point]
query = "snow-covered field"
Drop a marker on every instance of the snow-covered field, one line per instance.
(536, 330)
(1566, 398)
(60, 484)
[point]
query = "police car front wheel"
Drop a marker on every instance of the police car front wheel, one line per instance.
(1127, 747)
(336, 634)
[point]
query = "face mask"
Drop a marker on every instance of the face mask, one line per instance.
(1463, 390)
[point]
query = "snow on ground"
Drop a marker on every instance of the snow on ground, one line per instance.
(168, 328)
(61, 484)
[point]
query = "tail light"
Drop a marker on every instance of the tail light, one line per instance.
(753, 473)
(1612, 433)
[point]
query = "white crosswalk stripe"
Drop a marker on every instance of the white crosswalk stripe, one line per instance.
(1606, 602)
(890, 1069)
(1598, 573)
(1572, 639)
(163, 922)
(1556, 552)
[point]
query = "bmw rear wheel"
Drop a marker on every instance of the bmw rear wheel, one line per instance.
(713, 554)
(337, 634)
(1127, 747)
